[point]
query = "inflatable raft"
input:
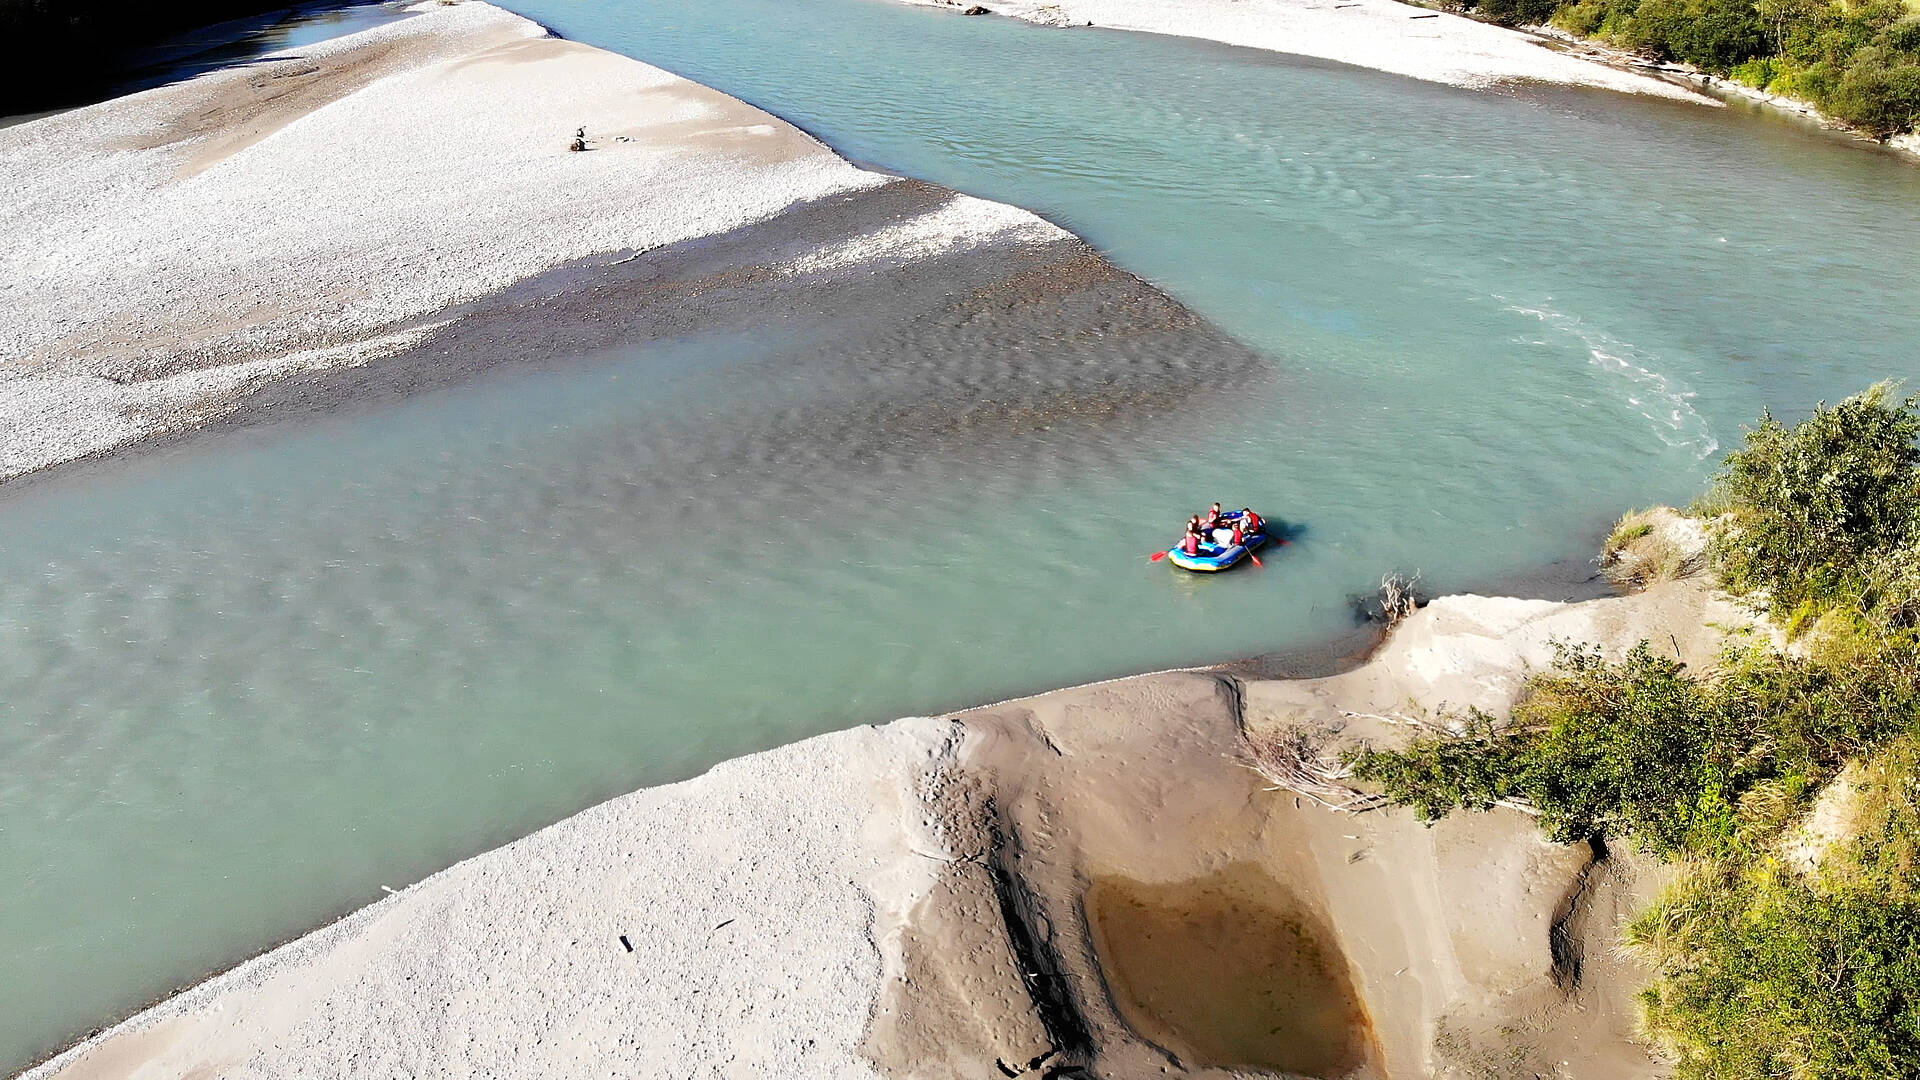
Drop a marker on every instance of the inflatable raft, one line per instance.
(1222, 554)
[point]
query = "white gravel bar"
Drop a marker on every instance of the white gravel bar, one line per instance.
(1381, 34)
(164, 253)
(716, 927)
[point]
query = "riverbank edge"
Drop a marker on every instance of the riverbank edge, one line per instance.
(1462, 52)
(1030, 785)
(1907, 145)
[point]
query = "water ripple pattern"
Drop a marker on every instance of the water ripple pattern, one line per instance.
(246, 683)
(1664, 401)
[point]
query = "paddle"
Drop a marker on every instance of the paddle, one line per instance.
(1158, 555)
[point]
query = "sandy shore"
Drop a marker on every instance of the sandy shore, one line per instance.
(994, 893)
(179, 257)
(1381, 34)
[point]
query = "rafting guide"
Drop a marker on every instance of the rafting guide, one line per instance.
(1220, 539)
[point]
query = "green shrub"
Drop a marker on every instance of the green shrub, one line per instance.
(1715, 35)
(1757, 73)
(1778, 979)
(1585, 19)
(1761, 971)
(1903, 36)
(1765, 972)
(1652, 27)
(1517, 12)
(1796, 82)
(1810, 504)
(1645, 751)
(1879, 93)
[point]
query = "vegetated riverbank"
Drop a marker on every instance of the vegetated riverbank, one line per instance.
(162, 285)
(1906, 142)
(1849, 66)
(1382, 34)
(1845, 68)
(1012, 890)
(1780, 783)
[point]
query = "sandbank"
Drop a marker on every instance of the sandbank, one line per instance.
(982, 894)
(176, 258)
(1381, 34)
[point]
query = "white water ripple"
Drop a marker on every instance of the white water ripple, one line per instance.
(1665, 401)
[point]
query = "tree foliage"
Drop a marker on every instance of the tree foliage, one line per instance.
(1824, 512)
(1858, 61)
(1765, 969)
(1645, 751)
(1781, 978)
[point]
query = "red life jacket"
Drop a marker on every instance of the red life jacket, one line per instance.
(1191, 545)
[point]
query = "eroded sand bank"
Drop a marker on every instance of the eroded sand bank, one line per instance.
(994, 893)
(1385, 35)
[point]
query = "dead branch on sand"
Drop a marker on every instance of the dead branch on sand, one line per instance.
(1294, 759)
(1399, 597)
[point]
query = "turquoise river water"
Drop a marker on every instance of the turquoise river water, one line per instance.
(248, 681)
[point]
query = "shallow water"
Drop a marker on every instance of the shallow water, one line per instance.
(249, 681)
(1231, 970)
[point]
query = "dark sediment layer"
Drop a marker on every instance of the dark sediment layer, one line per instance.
(1002, 338)
(1009, 353)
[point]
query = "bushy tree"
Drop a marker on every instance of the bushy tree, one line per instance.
(1518, 12)
(1879, 92)
(1711, 34)
(1810, 505)
(1780, 979)
(1717, 34)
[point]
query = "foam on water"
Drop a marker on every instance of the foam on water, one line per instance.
(1667, 406)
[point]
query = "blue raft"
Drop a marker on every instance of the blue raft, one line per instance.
(1214, 557)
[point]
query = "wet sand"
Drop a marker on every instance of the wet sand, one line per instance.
(1230, 970)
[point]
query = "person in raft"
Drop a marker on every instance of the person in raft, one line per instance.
(1206, 531)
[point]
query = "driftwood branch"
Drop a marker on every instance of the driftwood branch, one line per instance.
(1293, 759)
(1399, 596)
